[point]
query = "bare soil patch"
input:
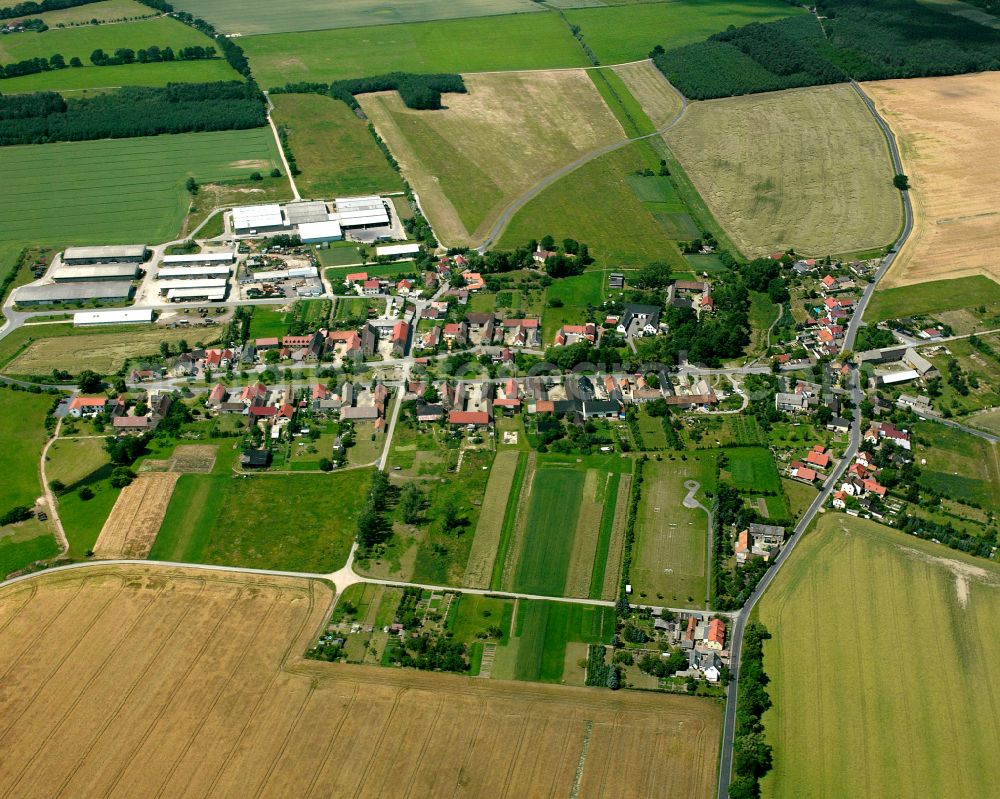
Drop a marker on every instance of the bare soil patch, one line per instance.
(947, 130)
(190, 683)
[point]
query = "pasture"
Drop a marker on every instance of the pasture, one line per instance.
(944, 127)
(302, 522)
(517, 41)
(842, 726)
(72, 459)
(184, 682)
(627, 32)
(468, 161)
(88, 78)
(82, 41)
(933, 296)
(104, 11)
(335, 152)
(807, 169)
(596, 204)
(123, 190)
(669, 557)
(261, 16)
(959, 466)
(101, 352)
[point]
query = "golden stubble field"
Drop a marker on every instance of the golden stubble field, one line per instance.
(136, 517)
(947, 132)
(805, 168)
(471, 159)
(144, 681)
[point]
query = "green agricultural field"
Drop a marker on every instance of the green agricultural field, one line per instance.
(575, 293)
(597, 205)
(844, 721)
(751, 469)
(669, 557)
(104, 11)
(22, 436)
(262, 16)
(556, 494)
(97, 79)
(120, 190)
(333, 148)
(295, 522)
(807, 169)
(628, 32)
(72, 459)
(957, 465)
(519, 41)
(470, 160)
(82, 41)
(537, 648)
(932, 297)
(476, 613)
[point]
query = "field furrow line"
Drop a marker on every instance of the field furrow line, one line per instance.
(164, 640)
(332, 740)
(284, 744)
(610, 758)
(514, 758)
(83, 692)
(428, 734)
(358, 791)
(485, 703)
(222, 688)
(32, 589)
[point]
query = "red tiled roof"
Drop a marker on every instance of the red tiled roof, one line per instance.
(469, 417)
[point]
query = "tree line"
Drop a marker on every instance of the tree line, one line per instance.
(131, 111)
(858, 40)
(151, 55)
(28, 8)
(421, 92)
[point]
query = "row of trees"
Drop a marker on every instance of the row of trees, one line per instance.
(151, 55)
(422, 92)
(30, 7)
(132, 111)
(751, 752)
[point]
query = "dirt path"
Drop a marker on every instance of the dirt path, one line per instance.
(50, 498)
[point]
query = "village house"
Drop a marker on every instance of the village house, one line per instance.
(639, 320)
(82, 406)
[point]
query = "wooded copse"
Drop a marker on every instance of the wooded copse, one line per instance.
(131, 111)
(421, 92)
(857, 40)
(149, 55)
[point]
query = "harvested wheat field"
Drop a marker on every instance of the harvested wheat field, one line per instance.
(947, 129)
(650, 87)
(143, 681)
(186, 458)
(804, 168)
(136, 517)
(471, 159)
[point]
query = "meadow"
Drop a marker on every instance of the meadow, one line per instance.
(22, 435)
(503, 487)
(806, 169)
(104, 11)
(627, 32)
(840, 726)
(300, 522)
(95, 79)
(185, 682)
(943, 128)
(39, 350)
(597, 205)
(337, 155)
(470, 160)
(261, 16)
(958, 466)
(519, 41)
(932, 296)
(669, 560)
(119, 191)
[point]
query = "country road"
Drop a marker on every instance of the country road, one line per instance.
(739, 627)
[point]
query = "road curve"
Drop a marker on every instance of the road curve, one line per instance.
(507, 214)
(739, 626)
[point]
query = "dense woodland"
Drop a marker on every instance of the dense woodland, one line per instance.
(422, 92)
(132, 111)
(858, 39)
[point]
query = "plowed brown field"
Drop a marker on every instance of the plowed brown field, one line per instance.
(142, 681)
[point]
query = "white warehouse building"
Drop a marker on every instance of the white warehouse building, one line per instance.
(85, 318)
(257, 218)
(199, 259)
(315, 232)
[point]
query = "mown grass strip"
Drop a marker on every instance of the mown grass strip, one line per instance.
(509, 519)
(604, 538)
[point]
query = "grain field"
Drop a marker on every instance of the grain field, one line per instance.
(588, 529)
(144, 681)
(490, 525)
(617, 547)
(650, 87)
(136, 517)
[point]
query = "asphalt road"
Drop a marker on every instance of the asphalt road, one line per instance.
(739, 625)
